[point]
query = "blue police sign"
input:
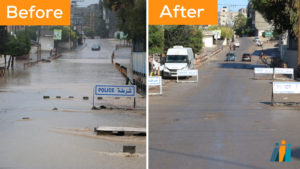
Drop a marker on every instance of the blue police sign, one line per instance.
(115, 91)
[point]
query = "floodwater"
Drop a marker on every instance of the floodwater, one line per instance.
(57, 133)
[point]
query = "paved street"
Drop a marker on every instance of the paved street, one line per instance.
(58, 133)
(224, 121)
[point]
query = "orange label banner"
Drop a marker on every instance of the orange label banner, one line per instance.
(183, 12)
(35, 12)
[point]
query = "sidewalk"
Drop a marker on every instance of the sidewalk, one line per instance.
(270, 50)
(44, 55)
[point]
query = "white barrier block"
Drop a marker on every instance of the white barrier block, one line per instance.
(263, 70)
(155, 81)
(283, 71)
(286, 87)
(186, 73)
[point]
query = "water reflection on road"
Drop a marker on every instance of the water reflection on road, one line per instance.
(64, 138)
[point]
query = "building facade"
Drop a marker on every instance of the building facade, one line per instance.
(258, 25)
(226, 17)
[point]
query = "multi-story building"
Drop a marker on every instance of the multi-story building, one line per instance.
(90, 16)
(111, 21)
(226, 17)
(259, 24)
(223, 16)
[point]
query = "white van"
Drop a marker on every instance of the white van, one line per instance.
(178, 58)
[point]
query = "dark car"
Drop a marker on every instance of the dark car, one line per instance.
(96, 47)
(246, 57)
(230, 57)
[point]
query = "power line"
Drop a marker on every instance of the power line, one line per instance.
(232, 4)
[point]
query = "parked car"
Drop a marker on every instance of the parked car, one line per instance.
(246, 57)
(255, 39)
(230, 57)
(237, 44)
(178, 58)
(96, 47)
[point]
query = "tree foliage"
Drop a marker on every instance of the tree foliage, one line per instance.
(3, 39)
(156, 39)
(18, 46)
(66, 33)
(177, 35)
(15, 46)
(283, 14)
(213, 27)
(196, 41)
(226, 32)
(161, 38)
(89, 32)
(240, 25)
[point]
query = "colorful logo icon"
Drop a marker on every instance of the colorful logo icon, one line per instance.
(281, 153)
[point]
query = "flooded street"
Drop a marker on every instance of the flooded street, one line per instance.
(58, 132)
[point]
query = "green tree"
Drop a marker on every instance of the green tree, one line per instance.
(177, 35)
(156, 39)
(213, 27)
(31, 32)
(240, 25)
(3, 40)
(196, 41)
(227, 33)
(17, 46)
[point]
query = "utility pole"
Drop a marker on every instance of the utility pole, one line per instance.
(298, 60)
(70, 30)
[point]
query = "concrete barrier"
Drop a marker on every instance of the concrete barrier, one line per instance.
(204, 58)
(291, 90)
(129, 149)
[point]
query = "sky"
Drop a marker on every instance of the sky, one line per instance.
(233, 5)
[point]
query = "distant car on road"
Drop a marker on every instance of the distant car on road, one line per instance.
(237, 44)
(255, 39)
(259, 43)
(230, 57)
(246, 57)
(96, 47)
